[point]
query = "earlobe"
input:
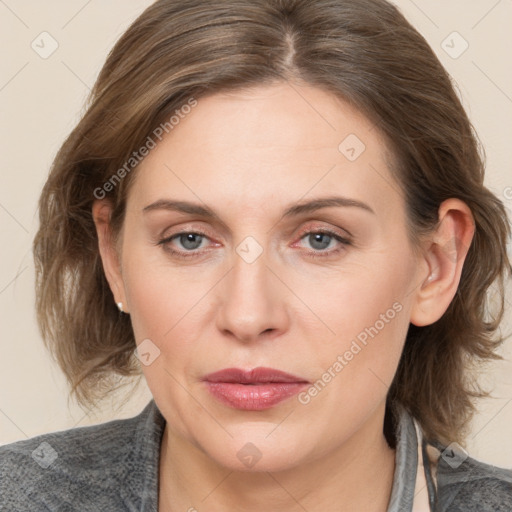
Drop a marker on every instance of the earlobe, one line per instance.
(101, 212)
(444, 255)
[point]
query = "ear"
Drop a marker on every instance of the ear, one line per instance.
(443, 257)
(101, 213)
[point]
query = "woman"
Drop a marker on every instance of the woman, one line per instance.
(280, 205)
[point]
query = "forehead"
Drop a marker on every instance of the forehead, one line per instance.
(267, 143)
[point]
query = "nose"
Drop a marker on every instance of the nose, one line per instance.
(252, 301)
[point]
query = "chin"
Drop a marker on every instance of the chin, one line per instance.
(274, 463)
(257, 454)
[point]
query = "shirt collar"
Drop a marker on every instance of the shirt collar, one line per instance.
(406, 462)
(140, 489)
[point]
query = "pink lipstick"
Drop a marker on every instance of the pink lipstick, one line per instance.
(253, 390)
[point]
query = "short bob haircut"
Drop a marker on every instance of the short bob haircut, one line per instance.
(364, 52)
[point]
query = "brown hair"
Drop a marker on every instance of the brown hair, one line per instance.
(363, 51)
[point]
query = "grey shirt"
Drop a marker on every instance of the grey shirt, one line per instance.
(113, 467)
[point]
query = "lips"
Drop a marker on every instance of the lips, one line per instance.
(258, 375)
(255, 390)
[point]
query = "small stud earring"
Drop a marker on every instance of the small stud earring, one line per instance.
(120, 306)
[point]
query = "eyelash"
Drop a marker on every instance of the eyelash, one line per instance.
(314, 254)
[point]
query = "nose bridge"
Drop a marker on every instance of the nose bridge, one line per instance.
(251, 301)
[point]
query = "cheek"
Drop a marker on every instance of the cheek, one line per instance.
(374, 293)
(169, 306)
(165, 308)
(159, 294)
(367, 311)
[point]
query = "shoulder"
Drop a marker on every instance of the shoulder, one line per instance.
(468, 485)
(74, 467)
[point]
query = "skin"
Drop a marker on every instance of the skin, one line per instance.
(248, 156)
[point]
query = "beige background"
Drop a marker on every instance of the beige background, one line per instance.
(41, 100)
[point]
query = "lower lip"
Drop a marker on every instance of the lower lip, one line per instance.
(255, 397)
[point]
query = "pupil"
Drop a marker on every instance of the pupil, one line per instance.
(318, 237)
(189, 241)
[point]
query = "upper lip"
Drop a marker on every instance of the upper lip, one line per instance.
(258, 375)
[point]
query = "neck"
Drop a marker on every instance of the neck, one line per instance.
(357, 475)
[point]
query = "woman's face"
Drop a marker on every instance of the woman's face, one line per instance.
(256, 283)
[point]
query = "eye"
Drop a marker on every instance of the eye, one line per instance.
(320, 240)
(190, 241)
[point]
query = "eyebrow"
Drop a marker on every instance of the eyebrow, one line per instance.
(292, 211)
